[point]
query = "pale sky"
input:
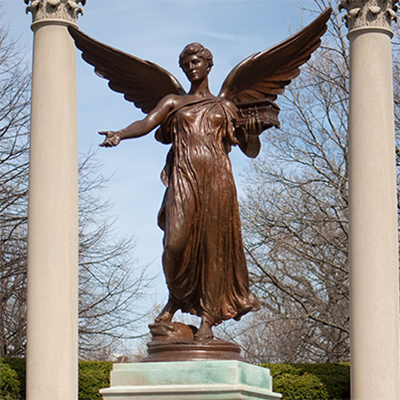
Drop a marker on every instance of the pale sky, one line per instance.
(157, 30)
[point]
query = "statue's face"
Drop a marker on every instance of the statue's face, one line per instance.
(195, 68)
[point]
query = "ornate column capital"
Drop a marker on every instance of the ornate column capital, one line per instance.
(66, 10)
(369, 13)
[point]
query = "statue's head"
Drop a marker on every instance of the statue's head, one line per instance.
(200, 51)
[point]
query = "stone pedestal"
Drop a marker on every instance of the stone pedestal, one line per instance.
(190, 380)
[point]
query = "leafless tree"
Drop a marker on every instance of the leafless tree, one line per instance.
(111, 288)
(295, 214)
(14, 118)
(396, 92)
(111, 283)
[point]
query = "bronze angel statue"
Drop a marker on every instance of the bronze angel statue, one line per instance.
(203, 258)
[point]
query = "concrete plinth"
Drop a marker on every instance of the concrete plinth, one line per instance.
(191, 380)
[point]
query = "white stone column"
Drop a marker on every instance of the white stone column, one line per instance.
(374, 273)
(52, 333)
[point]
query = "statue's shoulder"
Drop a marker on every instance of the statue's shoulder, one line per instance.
(228, 104)
(173, 99)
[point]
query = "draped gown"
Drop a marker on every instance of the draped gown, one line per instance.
(203, 260)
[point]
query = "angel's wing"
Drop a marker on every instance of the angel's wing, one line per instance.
(255, 83)
(142, 82)
(265, 74)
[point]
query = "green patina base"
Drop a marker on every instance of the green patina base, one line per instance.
(194, 380)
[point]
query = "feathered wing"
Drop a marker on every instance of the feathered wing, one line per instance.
(255, 83)
(265, 74)
(142, 82)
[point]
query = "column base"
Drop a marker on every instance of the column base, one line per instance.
(191, 380)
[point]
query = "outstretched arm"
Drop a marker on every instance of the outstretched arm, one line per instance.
(144, 126)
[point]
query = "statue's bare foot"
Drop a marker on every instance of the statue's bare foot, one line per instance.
(167, 313)
(205, 331)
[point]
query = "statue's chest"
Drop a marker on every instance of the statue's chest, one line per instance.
(203, 120)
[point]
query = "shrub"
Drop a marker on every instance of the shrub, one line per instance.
(311, 381)
(9, 383)
(19, 366)
(93, 376)
(293, 381)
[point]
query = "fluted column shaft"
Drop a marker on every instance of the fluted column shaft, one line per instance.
(52, 333)
(374, 274)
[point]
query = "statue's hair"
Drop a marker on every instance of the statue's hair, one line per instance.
(199, 50)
